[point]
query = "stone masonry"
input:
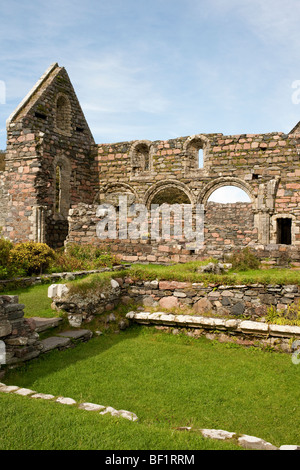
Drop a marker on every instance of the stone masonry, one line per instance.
(53, 165)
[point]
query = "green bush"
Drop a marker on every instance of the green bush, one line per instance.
(7, 270)
(244, 260)
(5, 247)
(31, 257)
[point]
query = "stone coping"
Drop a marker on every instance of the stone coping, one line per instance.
(239, 326)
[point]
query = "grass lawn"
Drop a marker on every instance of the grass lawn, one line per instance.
(188, 272)
(35, 299)
(167, 380)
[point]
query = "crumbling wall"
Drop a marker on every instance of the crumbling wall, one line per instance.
(53, 164)
(20, 341)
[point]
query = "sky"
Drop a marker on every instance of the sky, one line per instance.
(161, 69)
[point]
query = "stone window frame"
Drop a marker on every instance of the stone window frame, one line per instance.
(191, 149)
(294, 228)
(68, 113)
(65, 197)
(141, 173)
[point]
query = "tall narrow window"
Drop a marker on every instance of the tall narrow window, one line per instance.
(200, 158)
(58, 189)
(284, 231)
(195, 149)
(63, 114)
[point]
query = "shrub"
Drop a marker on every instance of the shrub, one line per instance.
(5, 247)
(31, 257)
(6, 269)
(244, 260)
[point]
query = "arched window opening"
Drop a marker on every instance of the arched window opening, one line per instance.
(195, 148)
(61, 187)
(140, 158)
(168, 209)
(229, 219)
(63, 114)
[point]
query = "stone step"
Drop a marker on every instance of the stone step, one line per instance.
(65, 340)
(43, 324)
(81, 335)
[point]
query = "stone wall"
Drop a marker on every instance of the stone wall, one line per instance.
(48, 132)
(250, 301)
(237, 311)
(226, 229)
(16, 333)
(38, 143)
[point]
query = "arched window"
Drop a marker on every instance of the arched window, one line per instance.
(140, 157)
(195, 148)
(61, 187)
(63, 114)
(229, 218)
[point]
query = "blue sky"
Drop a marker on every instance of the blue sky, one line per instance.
(160, 69)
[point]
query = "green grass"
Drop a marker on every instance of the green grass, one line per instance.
(28, 424)
(168, 381)
(35, 299)
(187, 272)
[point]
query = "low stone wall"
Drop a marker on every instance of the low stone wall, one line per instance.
(6, 284)
(18, 338)
(251, 301)
(243, 332)
(222, 307)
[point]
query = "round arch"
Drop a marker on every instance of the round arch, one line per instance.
(113, 190)
(172, 186)
(224, 181)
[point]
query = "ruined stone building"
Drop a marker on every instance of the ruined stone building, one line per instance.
(56, 176)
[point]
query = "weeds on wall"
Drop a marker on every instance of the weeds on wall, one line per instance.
(288, 316)
(242, 260)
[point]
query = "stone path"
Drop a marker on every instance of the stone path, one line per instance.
(12, 389)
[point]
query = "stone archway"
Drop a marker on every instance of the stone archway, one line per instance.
(228, 224)
(170, 192)
(225, 181)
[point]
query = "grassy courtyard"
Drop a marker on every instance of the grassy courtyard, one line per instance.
(168, 381)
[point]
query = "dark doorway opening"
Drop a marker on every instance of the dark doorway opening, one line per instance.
(284, 231)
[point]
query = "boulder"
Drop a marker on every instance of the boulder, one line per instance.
(169, 302)
(203, 306)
